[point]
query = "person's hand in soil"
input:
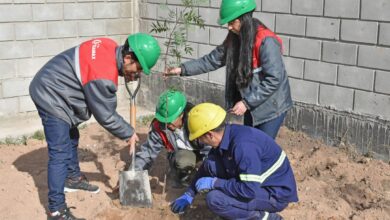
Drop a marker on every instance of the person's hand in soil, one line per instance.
(132, 141)
(181, 203)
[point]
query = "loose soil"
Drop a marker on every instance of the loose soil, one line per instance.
(333, 183)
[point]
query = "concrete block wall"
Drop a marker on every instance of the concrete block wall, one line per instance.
(337, 55)
(32, 32)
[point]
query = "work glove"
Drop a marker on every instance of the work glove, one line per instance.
(205, 184)
(181, 203)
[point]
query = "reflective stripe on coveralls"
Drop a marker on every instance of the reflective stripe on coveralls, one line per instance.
(266, 174)
(265, 216)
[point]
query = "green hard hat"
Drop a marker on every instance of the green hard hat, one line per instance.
(146, 49)
(170, 105)
(232, 9)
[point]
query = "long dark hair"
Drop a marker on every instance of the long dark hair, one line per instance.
(239, 52)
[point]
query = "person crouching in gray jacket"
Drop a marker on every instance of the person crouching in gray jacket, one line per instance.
(169, 130)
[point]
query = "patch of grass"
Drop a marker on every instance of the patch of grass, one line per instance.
(14, 140)
(38, 135)
(145, 120)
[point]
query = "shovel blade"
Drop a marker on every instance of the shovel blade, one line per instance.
(134, 189)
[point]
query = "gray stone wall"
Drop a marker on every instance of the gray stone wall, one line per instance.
(337, 55)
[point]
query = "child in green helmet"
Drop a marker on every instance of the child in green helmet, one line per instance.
(169, 130)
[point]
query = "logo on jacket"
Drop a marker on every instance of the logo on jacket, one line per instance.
(95, 44)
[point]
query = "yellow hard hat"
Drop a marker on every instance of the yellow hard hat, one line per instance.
(203, 118)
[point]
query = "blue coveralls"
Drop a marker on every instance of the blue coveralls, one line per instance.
(254, 175)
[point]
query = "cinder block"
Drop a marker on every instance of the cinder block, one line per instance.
(48, 47)
(205, 49)
(267, 19)
(217, 35)
(305, 48)
(286, 45)
(15, 87)
(281, 6)
(28, 31)
(336, 97)
(355, 77)
(148, 10)
(64, 1)
(320, 72)
(199, 35)
(384, 33)
(61, 29)
(29, 67)
(77, 11)
(372, 104)
(339, 52)
(126, 9)
(14, 13)
(210, 16)
(304, 91)
(28, 1)
(8, 106)
(163, 12)
(107, 10)
(377, 10)
(307, 7)
(342, 8)
(7, 31)
(7, 69)
(14, 50)
(374, 57)
(47, 12)
(323, 28)
(1, 92)
(26, 104)
(217, 3)
(218, 76)
(72, 42)
(119, 26)
(359, 31)
(290, 24)
(176, 2)
(157, 1)
(294, 67)
(91, 28)
(382, 82)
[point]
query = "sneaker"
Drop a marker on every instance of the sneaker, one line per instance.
(80, 184)
(63, 214)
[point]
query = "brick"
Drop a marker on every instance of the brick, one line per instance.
(304, 91)
(355, 77)
(148, 10)
(14, 13)
(8, 106)
(372, 104)
(359, 31)
(336, 97)
(323, 28)
(47, 12)
(29, 31)
(15, 87)
(8, 69)
(217, 35)
(286, 45)
(210, 16)
(307, 7)
(294, 67)
(339, 53)
(374, 57)
(342, 8)
(91, 28)
(107, 10)
(197, 34)
(377, 10)
(320, 72)
(218, 76)
(48, 47)
(305, 48)
(14, 50)
(77, 11)
(382, 80)
(267, 19)
(205, 49)
(26, 104)
(126, 9)
(384, 33)
(165, 12)
(281, 6)
(119, 26)
(29, 67)
(61, 29)
(7, 32)
(290, 24)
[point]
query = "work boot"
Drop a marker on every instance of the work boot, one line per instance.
(63, 214)
(80, 184)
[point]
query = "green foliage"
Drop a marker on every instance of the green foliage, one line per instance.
(176, 26)
(146, 120)
(38, 135)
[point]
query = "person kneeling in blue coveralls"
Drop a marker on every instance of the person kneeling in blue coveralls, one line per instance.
(246, 175)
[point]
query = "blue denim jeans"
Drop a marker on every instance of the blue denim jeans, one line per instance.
(62, 140)
(270, 127)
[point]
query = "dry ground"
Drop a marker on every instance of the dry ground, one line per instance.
(333, 183)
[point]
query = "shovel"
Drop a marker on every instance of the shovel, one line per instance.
(134, 186)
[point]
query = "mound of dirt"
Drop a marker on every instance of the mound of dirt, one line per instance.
(333, 183)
